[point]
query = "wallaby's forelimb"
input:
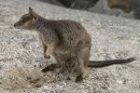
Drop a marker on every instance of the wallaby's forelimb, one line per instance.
(51, 67)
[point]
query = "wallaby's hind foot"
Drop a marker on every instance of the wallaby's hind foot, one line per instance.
(79, 78)
(68, 78)
(50, 67)
(47, 57)
(83, 56)
(82, 76)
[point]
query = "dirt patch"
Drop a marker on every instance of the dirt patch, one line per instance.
(25, 77)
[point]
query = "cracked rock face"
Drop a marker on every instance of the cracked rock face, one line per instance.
(21, 55)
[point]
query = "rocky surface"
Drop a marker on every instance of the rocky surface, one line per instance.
(21, 56)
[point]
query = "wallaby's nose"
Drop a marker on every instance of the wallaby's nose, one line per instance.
(15, 25)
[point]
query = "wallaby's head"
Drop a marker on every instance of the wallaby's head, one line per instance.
(27, 20)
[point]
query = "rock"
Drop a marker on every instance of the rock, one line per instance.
(123, 5)
(83, 4)
(135, 4)
(54, 2)
(109, 7)
(67, 3)
(21, 55)
(74, 4)
(79, 4)
(102, 7)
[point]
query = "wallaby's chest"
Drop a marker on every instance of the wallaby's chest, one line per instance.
(47, 37)
(42, 39)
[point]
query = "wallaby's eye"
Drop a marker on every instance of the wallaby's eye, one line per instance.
(25, 18)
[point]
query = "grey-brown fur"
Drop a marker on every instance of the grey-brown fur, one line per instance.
(66, 40)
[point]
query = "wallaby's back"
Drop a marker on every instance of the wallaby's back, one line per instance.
(71, 34)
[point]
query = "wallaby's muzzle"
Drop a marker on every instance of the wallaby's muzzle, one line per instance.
(15, 25)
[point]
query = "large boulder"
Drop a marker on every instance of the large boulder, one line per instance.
(109, 7)
(21, 55)
(135, 4)
(123, 5)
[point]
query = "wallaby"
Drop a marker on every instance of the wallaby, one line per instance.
(67, 41)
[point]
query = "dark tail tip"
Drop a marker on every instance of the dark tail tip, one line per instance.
(130, 59)
(105, 63)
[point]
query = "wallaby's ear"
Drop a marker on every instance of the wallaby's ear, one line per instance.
(30, 9)
(32, 13)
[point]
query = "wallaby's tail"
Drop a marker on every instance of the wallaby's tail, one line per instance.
(98, 64)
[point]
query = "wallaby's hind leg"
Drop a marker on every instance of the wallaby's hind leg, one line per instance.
(53, 65)
(83, 57)
(72, 67)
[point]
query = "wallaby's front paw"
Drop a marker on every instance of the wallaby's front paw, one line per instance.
(50, 67)
(68, 78)
(79, 78)
(45, 69)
